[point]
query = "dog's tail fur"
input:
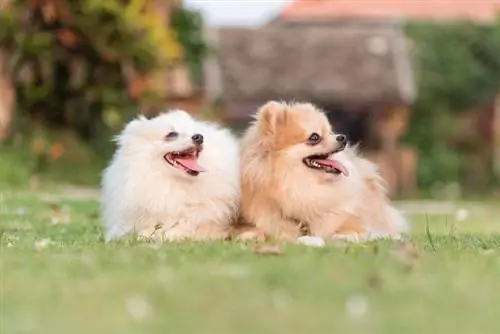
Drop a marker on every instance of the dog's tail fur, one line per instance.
(378, 185)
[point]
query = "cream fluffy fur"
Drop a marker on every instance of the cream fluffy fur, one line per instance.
(143, 194)
(279, 191)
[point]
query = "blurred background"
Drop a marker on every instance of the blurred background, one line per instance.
(415, 82)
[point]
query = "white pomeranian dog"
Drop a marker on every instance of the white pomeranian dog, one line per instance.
(172, 178)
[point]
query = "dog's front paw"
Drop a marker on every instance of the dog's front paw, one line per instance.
(311, 241)
(251, 235)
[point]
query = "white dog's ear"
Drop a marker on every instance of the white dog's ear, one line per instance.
(177, 114)
(129, 128)
(136, 122)
(270, 116)
(133, 125)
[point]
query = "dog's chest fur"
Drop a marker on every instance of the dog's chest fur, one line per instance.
(174, 203)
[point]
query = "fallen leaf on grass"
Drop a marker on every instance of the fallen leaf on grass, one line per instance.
(268, 250)
(60, 218)
(58, 215)
(406, 253)
(407, 250)
(41, 244)
(374, 281)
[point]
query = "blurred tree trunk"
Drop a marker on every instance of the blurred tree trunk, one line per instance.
(7, 95)
(496, 137)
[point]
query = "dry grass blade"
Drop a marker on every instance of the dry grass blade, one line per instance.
(268, 250)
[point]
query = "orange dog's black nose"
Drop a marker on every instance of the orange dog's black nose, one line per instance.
(197, 138)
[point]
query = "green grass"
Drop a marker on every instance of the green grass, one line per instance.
(58, 276)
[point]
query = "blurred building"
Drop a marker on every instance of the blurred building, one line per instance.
(351, 58)
(383, 10)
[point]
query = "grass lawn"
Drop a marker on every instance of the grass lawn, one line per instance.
(57, 276)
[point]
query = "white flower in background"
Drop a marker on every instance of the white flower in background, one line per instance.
(20, 211)
(42, 244)
(138, 307)
(356, 306)
(462, 215)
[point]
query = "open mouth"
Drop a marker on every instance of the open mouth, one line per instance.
(325, 163)
(186, 160)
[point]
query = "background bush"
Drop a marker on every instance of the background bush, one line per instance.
(458, 68)
(81, 69)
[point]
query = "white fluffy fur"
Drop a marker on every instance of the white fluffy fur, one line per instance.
(335, 197)
(362, 173)
(141, 190)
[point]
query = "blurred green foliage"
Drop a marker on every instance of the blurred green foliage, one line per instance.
(85, 67)
(188, 26)
(458, 68)
(73, 61)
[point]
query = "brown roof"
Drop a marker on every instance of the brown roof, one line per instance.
(343, 64)
(478, 10)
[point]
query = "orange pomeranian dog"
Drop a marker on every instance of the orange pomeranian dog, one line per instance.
(299, 178)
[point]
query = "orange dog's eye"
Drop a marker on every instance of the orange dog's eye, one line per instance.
(314, 138)
(171, 135)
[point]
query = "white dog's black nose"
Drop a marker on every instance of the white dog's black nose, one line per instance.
(341, 138)
(197, 138)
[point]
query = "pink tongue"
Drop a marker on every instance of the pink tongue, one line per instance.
(334, 164)
(190, 163)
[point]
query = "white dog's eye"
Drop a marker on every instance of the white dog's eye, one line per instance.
(171, 135)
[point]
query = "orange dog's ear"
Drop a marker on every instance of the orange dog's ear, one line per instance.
(270, 116)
